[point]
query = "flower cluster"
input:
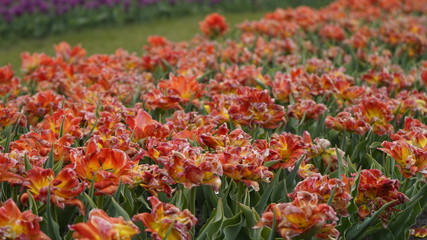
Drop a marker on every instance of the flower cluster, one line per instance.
(375, 190)
(101, 226)
(164, 216)
(304, 215)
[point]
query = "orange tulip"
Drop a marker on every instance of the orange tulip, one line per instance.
(323, 186)
(15, 224)
(10, 115)
(63, 120)
(307, 109)
(214, 25)
(375, 190)
(344, 121)
(223, 138)
(290, 148)
(144, 126)
(71, 55)
(190, 167)
(9, 84)
(164, 216)
(304, 214)
(105, 168)
(7, 168)
(102, 227)
(42, 104)
(413, 131)
(186, 88)
(153, 179)
(246, 164)
(255, 107)
(156, 99)
(64, 188)
(377, 113)
(410, 160)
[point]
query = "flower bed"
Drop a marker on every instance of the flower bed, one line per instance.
(306, 124)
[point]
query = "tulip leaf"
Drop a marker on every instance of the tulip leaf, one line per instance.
(119, 190)
(358, 230)
(232, 227)
(265, 196)
(53, 227)
(61, 129)
(50, 160)
(58, 166)
(213, 224)
(290, 179)
(28, 165)
(374, 163)
(400, 225)
(250, 214)
(117, 210)
(331, 197)
(32, 203)
(272, 234)
(271, 163)
(8, 139)
(280, 193)
(90, 201)
(129, 199)
(375, 145)
(341, 167)
(265, 233)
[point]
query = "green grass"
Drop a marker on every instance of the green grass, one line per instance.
(107, 39)
(130, 37)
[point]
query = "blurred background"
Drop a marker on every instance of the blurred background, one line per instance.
(102, 26)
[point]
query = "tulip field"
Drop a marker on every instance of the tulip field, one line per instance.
(305, 124)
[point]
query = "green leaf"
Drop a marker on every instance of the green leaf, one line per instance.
(58, 167)
(213, 224)
(280, 192)
(342, 170)
(374, 164)
(358, 230)
(32, 203)
(85, 138)
(116, 210)
(53, 227)
(6, 145)
(261, 205)
(50, 160)
(265, 233)
(332, 195)
(232, 227)
(129, 198)
(271, 163)
(273, 227)
(375, 145)
(90, 201)
(119, 191)
(290, 179)
(250, 214)
(61, 129)
(28, 165)
(261, 84)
